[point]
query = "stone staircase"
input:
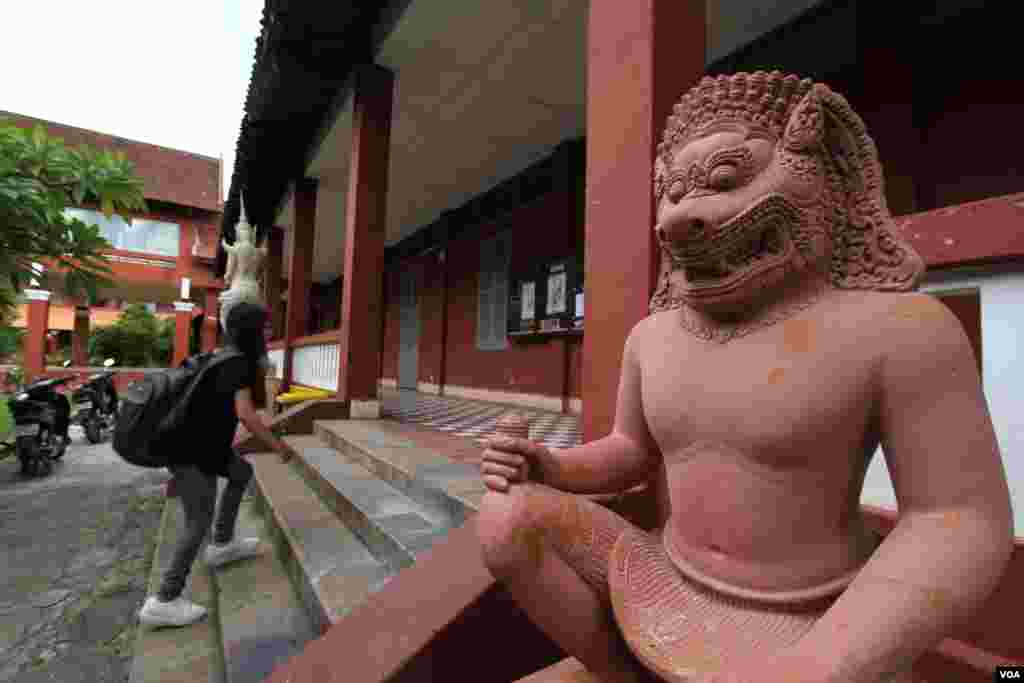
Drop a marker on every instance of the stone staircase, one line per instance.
(365, 536)
(360, 505)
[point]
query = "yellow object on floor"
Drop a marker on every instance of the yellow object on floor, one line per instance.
(300, 394)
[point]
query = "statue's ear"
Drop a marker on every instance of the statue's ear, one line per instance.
(805, 130)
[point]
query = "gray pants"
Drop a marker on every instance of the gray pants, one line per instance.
(198, 493)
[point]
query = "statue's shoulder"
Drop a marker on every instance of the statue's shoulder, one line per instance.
(654, 332)
(913, 319)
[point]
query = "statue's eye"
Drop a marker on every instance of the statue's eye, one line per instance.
(723, 177)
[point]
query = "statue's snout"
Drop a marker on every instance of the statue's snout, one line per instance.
(681, 226)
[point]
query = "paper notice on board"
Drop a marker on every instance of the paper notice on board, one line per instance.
(556, 293)
(579, 304)
(528, 300)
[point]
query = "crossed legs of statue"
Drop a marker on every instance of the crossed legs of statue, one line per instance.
(550, 549)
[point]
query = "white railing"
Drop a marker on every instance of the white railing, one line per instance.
(316, 366)
(277, 358)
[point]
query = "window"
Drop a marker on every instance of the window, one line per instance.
(142, 235)
(492, 304)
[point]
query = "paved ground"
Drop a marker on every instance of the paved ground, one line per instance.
(476, 419)
(76, 550)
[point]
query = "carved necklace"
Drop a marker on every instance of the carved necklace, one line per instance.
(783, 309)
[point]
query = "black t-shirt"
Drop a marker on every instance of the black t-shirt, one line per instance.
(211, 423)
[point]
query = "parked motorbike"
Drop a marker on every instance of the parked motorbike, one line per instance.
(96, 401)
(42, 416)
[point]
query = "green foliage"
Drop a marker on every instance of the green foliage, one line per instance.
(137, 339)
(164, 347)
(39, 178)
(15, 375)
(6, 419)
(10, 340)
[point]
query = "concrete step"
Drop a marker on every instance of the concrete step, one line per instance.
(451, 489)
(393, 527)
(262, 621)
(179, 655)
(329, 566)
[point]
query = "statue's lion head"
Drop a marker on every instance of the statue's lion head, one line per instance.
(761, 177)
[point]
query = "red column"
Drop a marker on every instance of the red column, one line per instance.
(182, 330)
(211, 310)
(641, 57)
(272, 281)
(300, 268)
(80, 337)
(38, 320)
(365, 225)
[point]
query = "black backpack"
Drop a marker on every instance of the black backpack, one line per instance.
(156, 406)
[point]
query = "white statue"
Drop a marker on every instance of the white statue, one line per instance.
(245, 262)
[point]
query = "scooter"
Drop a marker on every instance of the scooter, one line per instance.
(41, 419)
(96, 401)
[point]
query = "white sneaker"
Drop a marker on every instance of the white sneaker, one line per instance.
(238, 549)
(177, 612)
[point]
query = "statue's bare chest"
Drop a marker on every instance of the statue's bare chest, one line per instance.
(781, 397)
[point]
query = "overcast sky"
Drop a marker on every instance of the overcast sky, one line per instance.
(167, 73)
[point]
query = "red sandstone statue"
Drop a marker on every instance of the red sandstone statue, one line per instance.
(782, 348)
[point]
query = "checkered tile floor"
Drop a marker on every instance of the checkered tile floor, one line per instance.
(475, 419)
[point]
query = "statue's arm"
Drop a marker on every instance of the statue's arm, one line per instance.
(623, 459)
(954, 536)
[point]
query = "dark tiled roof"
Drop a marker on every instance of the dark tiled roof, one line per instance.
(170, 175)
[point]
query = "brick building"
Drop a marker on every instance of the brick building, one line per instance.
(175, 241)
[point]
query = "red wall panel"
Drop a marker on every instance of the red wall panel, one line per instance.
(430, 290)
(540, 231)
(575, 367)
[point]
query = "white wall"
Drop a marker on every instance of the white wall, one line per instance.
(1002, 334)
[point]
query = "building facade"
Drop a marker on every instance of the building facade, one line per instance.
(164, 258)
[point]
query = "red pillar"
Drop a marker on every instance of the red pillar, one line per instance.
(80, 337)
(365, 226)
(182, 330)
(38, 320)
(300, 268)
(272, 281)
(641, 57)
(211, 310)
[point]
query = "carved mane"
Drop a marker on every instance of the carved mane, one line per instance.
(867, 251)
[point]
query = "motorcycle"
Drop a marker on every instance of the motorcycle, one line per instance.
(42, 416)
(96, 401)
